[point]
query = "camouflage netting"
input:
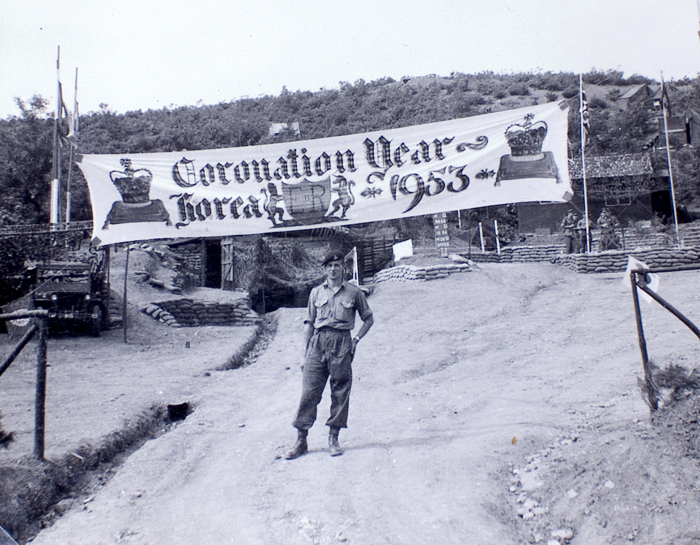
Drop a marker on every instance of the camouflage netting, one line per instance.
(278, 272)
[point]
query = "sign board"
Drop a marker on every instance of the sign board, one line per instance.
(442, 237)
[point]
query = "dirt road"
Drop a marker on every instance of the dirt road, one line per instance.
(476, 402)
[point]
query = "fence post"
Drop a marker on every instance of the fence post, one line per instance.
(481, 238)
(648, 377)
(498, 242)
(39, 415)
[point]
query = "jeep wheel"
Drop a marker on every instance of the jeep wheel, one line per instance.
(96, 319)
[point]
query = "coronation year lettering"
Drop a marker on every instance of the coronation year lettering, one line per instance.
(293, 166)
(380, 155)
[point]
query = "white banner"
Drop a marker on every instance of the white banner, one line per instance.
(500, 158)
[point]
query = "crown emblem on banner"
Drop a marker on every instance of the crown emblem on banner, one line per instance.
(526, 140)
(133, 185)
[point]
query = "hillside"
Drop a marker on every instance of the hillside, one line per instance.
(616, 127)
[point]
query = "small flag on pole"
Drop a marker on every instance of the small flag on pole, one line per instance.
(75, 118)
(585, 121)
(665, 102)
(64, 116)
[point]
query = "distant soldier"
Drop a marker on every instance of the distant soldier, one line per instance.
(607, 224)
(568, 224)
(581, 234)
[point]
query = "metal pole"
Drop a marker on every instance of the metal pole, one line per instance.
(126, 276)
(39, 415)
(73, 143)
(56, 179)
(495, 230)
(583, 165)
(668, 157)
(481, 237)
(70, 175)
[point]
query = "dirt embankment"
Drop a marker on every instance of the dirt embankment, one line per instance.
(496, 406)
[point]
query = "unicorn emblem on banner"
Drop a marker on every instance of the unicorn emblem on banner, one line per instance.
(345, 197)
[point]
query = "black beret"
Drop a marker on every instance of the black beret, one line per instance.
(334, 255)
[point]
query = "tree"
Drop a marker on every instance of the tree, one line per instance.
(26, 164)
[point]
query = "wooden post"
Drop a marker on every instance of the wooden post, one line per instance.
(17, 349)
(648, 378)
(39, 415)
(673, 310)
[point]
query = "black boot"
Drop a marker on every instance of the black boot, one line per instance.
(333, 444)
(299, 448)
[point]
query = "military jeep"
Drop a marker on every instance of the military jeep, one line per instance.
(74, 295)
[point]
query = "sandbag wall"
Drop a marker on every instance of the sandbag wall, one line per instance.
(189, 313)
(616, 261)
(519, 254)
(629, 238)
(413, 273)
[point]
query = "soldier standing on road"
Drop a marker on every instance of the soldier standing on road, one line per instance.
(329, 351)
(583, 234)
(568, 224)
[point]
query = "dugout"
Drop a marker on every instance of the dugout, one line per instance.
(627, 184)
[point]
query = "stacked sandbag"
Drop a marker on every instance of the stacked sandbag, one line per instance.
(157, 313)
(413, 273)
(690, 234)
(190, 313)
(616, 260)
(486, 257)
(633, 239)
(528, 254)
(520, 254)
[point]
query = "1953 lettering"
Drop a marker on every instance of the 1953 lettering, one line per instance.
(414, 184)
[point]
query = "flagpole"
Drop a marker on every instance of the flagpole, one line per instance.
(583, 164)
(73, 144)
(56, 179)
(668, 157)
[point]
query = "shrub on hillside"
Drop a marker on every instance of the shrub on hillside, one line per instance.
(570, 91)
(597, 102)
(519, 90)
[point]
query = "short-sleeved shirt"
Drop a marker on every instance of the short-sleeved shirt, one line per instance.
(336, 310)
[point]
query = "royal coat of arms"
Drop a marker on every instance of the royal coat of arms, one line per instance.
(307, 202)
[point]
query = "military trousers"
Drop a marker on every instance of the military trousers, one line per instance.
(328, 356)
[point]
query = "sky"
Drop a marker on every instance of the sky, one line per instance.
(151, 54)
